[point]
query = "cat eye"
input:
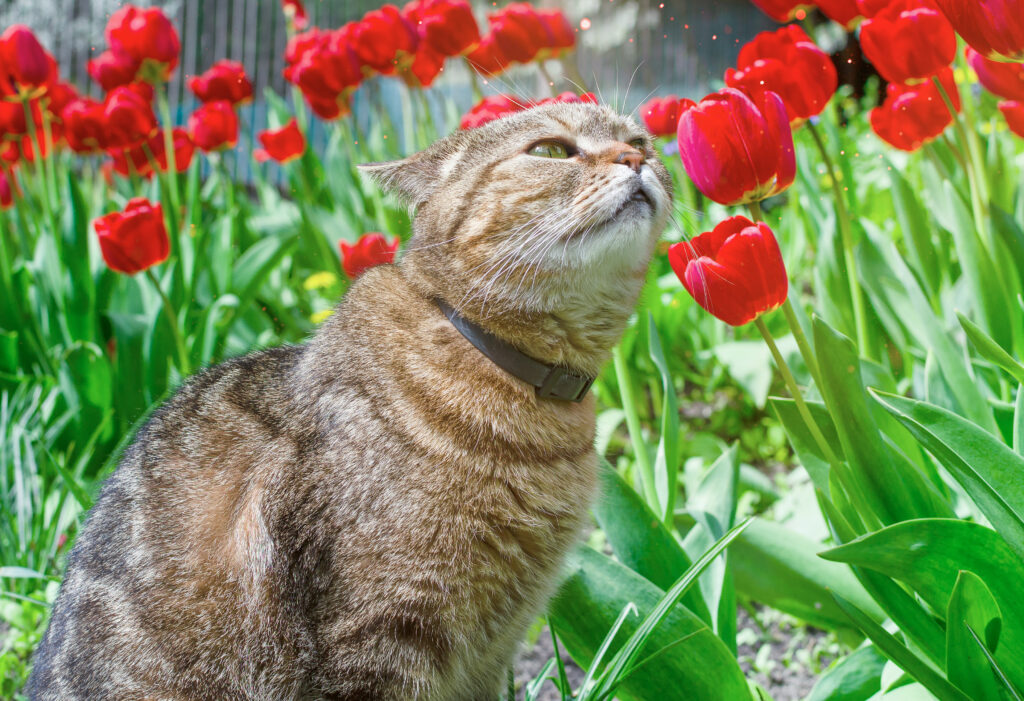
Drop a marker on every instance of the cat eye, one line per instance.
(639, 144)
(550, 149)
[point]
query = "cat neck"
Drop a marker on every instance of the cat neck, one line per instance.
(575, 327)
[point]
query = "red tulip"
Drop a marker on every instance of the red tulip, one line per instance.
(112, 70)
(383, 39)
(6, 191)
(145, 35)
(488, 58)
(994, 28)
(789, 64)
(135, 239)
(295, 12)
(214, 126)
(129, 116)
(224, 80)
(184, 150)
(490, 108)
(783, 10)
(737, 149)
(370, 250)
(85, 125)
(912, 115)
(12, 118)
(446, 26)
(519, 31)
(844, 12)
(325, 69)
(282, 145)
(59, 95)
(870, 8)
(426, 65)
(661, 114)
(24, 60)
(1003, 79)
(561, 33)
(1013, 112)
(735, 271)
(908, 41)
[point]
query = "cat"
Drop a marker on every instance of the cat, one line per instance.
(382, 512)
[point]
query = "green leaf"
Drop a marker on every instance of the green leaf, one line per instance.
(988, 470)
(991, 350)
(913, 220)
(856, 677)
(779, 567)
(666, 461)
(901, 654)
(640, 540)
(893, 489)
(1018, 421)
(928, 554)
(588, 603)
(972, 608)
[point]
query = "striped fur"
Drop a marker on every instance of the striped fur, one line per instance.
(380, 513)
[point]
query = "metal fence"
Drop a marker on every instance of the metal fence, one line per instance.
(649, 46)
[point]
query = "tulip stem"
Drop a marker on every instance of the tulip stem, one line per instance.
(547, 78)
(40, 167)
(972, 166)
(643, 459)
(856, 295)
(794, 390)
(801, 342)
(172, 320)
(172, 165)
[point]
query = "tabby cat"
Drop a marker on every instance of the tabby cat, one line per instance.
(380, 513)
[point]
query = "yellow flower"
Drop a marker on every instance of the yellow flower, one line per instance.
(319, 316)
(318, 281)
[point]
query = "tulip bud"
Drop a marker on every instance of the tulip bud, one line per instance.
(6, 191)
(908, 41)
(1003, 79)
(783, 10)
(85, 125)
(735, 271)
(913, 115)
(112, 70)
(214, 126)
(737, 149)
(282, 145)
(1013, 112)
(789, 64)
(661, 114)
(145, 35)
(844, 12)
(25, 59)
(383, 39)
(993, 28)
(446, 26)
(129, 117)
(224, 80)
(370, 250)
(135, 239)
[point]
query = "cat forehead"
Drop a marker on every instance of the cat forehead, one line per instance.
(578, 121)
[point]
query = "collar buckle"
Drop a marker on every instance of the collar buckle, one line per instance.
(563, 384)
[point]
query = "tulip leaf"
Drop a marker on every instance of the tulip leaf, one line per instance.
(928, 554)
(640, 540)
(988, 470)
(1018, 421)
(587, 605)
(891, 487)
(776, 566)
(899, 653)
(972, 608)
(991, 350)
(1004, 683)
(890, 282)
(856, 677)
(666, 461)
(913, 220)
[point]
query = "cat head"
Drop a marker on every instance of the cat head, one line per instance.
(550, 208)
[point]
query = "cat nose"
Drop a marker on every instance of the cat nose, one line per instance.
(632, 158)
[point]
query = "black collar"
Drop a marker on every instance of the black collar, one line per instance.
(551, 381)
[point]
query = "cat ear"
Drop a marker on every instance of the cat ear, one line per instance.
(411, 179)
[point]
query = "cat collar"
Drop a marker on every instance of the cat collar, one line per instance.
(551, 381)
